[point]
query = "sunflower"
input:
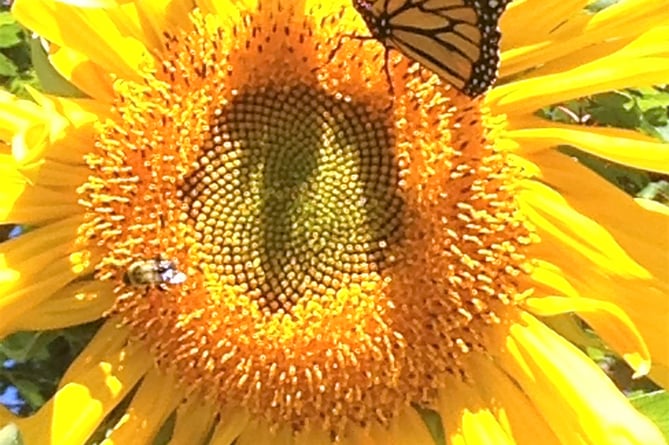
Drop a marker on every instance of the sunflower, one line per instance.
(285, 252)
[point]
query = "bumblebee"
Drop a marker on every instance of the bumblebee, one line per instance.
(155, 272)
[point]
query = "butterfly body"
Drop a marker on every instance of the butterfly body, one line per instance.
(377, 22)
(456, 39)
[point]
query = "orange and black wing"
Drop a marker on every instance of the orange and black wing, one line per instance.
(456, 39)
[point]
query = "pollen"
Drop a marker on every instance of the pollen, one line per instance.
(343, 243)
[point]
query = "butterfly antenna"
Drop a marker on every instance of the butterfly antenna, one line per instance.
(389, 80)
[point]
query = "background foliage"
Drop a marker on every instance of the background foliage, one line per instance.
(31, 363)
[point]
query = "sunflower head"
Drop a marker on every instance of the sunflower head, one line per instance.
(306, 201)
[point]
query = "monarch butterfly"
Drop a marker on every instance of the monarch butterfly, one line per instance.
(456, 39)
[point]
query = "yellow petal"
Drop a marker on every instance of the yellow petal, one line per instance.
(565, 231)
(23, 203)
(467, 418)
(231, 423)
(526, 96)
(258, 432)
(92, 79)
(158, 16)
(16, 115)
(32, 251)
(510, 406)
(622, 146)
(33, 205)
(311, 437)
(528, 21)
(642, 233)
(628, 44)
(653, 206)
(651, 318)
(193, 422)
(576, 37)
(611, 323)
(6, 416)
(27, 283)
(74, 304)
(106, 43)
(54, 174)
(89, 393)
(91, 3)
(583, 405)
(78, 112)
(37, 132)
(408, 429)
(149, 408)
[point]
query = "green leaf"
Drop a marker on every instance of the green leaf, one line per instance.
(22, 346)
(434, 424)
(10, 35)
(10, 435)
(618, 109)
(655, 406)
(657, 191)
(599, 5)
(651, 98)
(656, 116)
(6, 18)
(615, 99)
(7, 67)
(51, 80)
(30, 392)
(166, 430)
(17, 85)
(663, 132)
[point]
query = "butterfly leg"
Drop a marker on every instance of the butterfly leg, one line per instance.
(341, 40)
(386, 69)
(386, 56)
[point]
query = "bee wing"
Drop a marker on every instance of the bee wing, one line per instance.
(177, 278)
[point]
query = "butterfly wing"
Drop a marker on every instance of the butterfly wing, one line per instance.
(456, 39)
